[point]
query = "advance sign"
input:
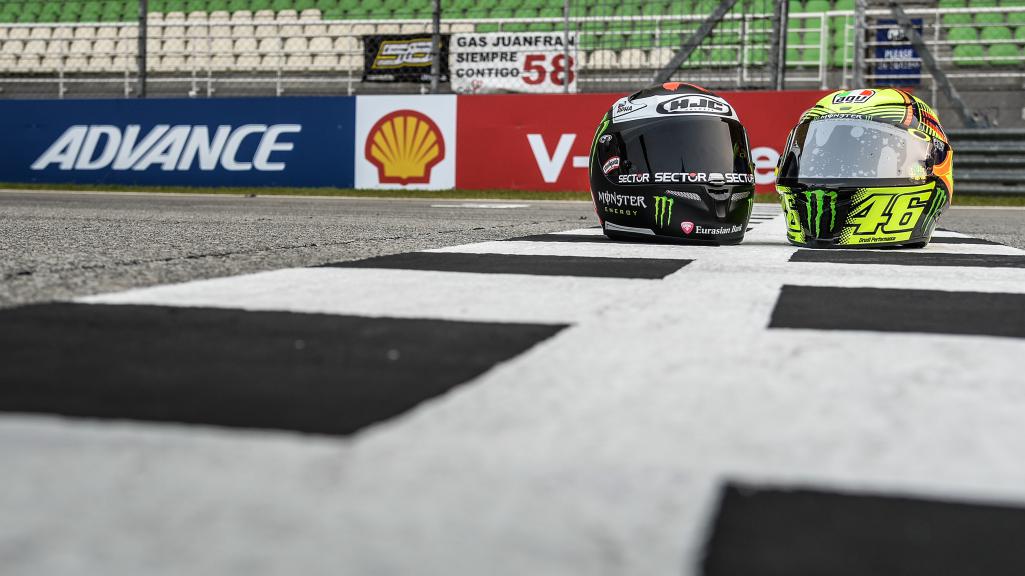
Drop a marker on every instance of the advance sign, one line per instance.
(100, 147)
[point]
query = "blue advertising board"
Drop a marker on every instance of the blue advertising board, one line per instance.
(897, 63)
(180, 142)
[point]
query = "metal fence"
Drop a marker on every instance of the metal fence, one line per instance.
(605, 46)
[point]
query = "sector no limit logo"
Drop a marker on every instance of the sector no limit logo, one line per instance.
(404, 146)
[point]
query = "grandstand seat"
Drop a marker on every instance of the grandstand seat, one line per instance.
(958, 18)
(963, 35)
(660, 57)
(243, 31)
(28, 63)
(632, 58)
(347, 45)
(388, 29)
(85, 32)
(296, 45)
(1004, 55)
(414, 28)
(50, 63)
(986, 17)
(996, 33)
(969, 55)
(99, 63)
(40, 33)
(76, 63)
(63, 33)
(126, 47)
(57, 47)
(298, 62)
(197, 31)
(602, 60)
(241, 17)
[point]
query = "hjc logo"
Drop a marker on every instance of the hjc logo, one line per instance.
(694, 104)
(404, 146)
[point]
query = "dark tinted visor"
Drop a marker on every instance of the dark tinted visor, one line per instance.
(675, 145)
(849, 150)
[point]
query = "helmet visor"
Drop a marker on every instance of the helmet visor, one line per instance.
(842, 149)
(677, 150)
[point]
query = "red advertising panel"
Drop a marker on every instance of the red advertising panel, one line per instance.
(541, 142)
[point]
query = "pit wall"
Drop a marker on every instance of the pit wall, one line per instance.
(524, 142)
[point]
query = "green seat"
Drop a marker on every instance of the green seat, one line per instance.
(1019, 33)
(601, 11)
(1004, 55)
(812, 39)
(757, 56)
(1016, 18)
(484, 28)
(811, 57)
(793, 57)
(679, 7)
(963, 35)
(954, 19)
(638, 40)
(669, 40)
(724, 56)
(795, 6)
(357, 13)
(844, 5)
(996, 33)
(332, 14)
(839, 58)
(588, 41)
(969, 55)
(816, 6)
(986, 17)
(236, 5)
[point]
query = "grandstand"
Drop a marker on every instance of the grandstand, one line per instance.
(298, 45)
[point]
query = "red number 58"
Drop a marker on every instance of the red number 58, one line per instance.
(534, 65)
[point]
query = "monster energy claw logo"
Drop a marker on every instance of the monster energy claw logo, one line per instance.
(663, 210)
(937, 202)
(816, 202)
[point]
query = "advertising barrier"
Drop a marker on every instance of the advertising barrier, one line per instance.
(178, 142)
(510, 141)
(542, 142)
(406, 142)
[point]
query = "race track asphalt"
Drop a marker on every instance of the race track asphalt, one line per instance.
(58, 245)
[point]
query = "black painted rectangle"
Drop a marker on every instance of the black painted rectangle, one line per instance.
(805, 532)
(898, 310)
(313, 373)
(643, 268)
(894, 258)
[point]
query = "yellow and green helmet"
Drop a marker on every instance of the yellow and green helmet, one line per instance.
(865, 167)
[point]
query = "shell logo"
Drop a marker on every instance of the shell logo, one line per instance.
(404, 146)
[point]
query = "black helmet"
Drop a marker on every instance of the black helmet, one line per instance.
(672, 161)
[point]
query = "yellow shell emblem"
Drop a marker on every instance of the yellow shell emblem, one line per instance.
(404, 146)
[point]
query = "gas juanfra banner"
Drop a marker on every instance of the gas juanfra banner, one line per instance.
(169, 142)
(513, 62)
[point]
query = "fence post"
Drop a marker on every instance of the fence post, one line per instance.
(435, 46)
(565, 46)
(143, 16)
(859, 43)
(778, 45)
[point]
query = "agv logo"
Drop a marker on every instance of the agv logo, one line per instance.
(404, 146)
(853, 97)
